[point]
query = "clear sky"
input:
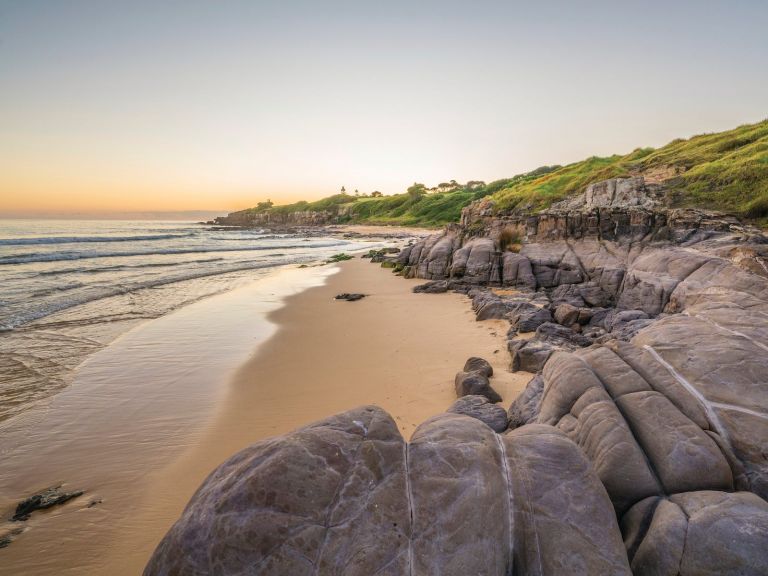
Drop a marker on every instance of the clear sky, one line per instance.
(159, 105)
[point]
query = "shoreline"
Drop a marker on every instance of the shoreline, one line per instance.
(133, 407)
(394, 348)
(279, 389)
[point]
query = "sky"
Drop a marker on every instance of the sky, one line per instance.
(215, 105)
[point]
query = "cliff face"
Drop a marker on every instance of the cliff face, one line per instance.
(251, 219)
(625, 210)
(638, 447)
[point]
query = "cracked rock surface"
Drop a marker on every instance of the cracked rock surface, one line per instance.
(348, 496)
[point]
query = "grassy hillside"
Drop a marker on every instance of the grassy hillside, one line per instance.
(419, 206)
(723, 171)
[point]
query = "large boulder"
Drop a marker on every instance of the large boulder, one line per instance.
(529, 355)
(698, 534)
(525, 408)
(517, 271)
(459, 499)
(475, 383)
(568, 522)
(654, 275)
(474, 261)
(639, 441)
(328, 499)
(432, 256)
(348, 496)
(475, 364)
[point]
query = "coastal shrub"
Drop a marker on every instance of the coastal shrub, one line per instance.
(475, 227)
(722, 171)
(510, 241)
(339, 258)
(758, 208)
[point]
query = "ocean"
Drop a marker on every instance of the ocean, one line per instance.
(70, 287)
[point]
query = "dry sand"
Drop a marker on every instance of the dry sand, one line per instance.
(394, 348)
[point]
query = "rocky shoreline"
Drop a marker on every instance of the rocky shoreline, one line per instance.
(638, 448)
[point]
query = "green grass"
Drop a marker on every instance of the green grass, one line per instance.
(724, 171)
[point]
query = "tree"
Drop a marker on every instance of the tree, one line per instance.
(417, 190)
(357, 193)
(376, 194)
(264, 206)
(343, 190)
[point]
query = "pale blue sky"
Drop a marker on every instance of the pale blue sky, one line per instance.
(218, 104)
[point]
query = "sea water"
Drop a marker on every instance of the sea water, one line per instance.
(70, 287)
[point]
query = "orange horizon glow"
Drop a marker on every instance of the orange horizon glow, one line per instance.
(145, 106)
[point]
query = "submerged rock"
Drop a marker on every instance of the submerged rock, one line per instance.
(45, 499)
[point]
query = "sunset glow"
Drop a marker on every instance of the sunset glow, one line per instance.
(197, 107)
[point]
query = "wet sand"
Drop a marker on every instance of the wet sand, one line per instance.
(396, 349)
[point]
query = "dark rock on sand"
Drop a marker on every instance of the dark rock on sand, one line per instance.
(489, 306)
(45, 499)
(7, 535)
(475, 383)
(476, 364)
(349, 297)
(529, 355)
(480, 408)
(434, 287)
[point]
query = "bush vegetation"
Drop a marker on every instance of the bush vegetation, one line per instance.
(723, 171)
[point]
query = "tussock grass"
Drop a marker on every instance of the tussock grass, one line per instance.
(722, 171)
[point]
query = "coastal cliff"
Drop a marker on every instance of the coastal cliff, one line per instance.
(638, 447)
(251, 219)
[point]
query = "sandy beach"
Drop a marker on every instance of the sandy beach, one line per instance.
(394, 348)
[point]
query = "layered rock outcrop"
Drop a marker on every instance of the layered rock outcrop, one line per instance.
(278, 219)
(689, 289)
(638, 447)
